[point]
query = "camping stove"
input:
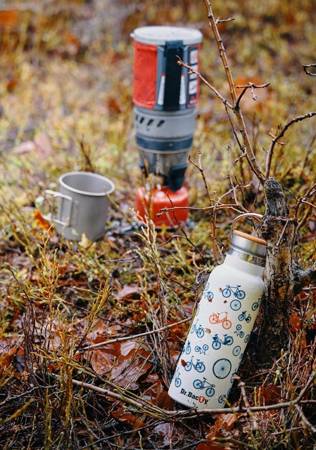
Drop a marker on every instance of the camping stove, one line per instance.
(165, 95)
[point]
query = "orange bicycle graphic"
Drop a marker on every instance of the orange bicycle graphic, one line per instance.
(215, 318)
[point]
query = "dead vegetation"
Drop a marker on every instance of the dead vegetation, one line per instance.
(90, 332)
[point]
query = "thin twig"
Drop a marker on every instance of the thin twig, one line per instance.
(304, 419)
(191, 414)
(239, 116)
(253, 421)
(280, 135)
(245, 89)
(132, 336)
(207, 83)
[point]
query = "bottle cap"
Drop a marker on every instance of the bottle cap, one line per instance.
(252, 247)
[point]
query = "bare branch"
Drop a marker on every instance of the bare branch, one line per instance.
(202, 78)
(229, 19)
(150, 409)
(245, 89)
(133, 336)
(281, 134)
(304, 419)
(240, 120)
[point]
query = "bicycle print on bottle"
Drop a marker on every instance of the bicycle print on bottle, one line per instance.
(244, 316)
(204, 384)
(187, 348)
(201, 349)
(233, 290)
(199, 366)
(198, 330)
(216, 318)
(218, 342)
(177, 379)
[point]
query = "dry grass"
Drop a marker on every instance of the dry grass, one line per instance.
(65, 105)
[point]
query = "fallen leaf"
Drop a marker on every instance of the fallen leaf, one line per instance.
(8, 350)
(209, 446)
(101, 360)
(270, 393)
(8, 18)
(223, 422)
(41, 221)
(123, 415)
(127, 292)
(113, 105)
(127, 347)
(295, 322)
(128, 369)
(165, 430)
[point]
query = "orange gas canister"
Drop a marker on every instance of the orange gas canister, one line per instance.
(149, 205)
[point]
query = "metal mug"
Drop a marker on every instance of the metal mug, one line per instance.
(82, 205)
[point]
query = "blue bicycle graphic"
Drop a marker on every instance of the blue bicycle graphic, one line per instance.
(199, 366)
(198, 330)
(255, 305)
(235, 290)
(222, 399)
(177, 379)
(187, 348)
(244, 316)
(218, 342)
(201, 349)
(204, 384)
(239, 331)
(209, 295)
(247, 337)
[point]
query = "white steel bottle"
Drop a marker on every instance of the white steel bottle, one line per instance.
(222, 325)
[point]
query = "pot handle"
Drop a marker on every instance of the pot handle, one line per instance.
(62, 199)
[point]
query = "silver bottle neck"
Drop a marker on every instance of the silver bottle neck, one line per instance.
(248, 248)
(248, 257)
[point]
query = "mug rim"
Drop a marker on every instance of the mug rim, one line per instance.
(78, 191)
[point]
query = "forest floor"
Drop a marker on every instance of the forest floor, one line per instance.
(65, 104)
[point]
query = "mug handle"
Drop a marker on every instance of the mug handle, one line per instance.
(63, 198)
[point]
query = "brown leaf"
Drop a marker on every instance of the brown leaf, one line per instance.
(100, 331)
(165, 430)
(8, 18)
(12, 84)
(123, 415)
(128, 291)
(270, 393)
(223, 422)
(127, 347)
(40, 221)
(8, 350)
(295, 322)
(209, 446)
(130, 368)
(100, 360)
(113, 105)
